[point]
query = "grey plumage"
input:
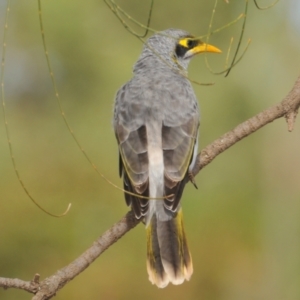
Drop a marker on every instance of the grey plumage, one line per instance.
(156, 120)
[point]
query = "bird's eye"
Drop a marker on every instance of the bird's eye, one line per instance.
(191, 43)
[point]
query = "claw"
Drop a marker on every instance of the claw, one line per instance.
(192, 179)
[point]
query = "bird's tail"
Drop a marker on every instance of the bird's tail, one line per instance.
(168, 256)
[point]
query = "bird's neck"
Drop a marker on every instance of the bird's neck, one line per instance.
(149, 64)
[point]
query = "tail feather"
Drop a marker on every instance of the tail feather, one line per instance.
(168, 256)
(154, 264)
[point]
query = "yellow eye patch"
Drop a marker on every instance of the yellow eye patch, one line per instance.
(183, 42)
(188, 43)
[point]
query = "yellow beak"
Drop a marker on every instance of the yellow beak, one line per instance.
(202, 47)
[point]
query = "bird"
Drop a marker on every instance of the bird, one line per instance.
(156, 122)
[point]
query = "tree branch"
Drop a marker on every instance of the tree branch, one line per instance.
(29, 286)
(47, 288)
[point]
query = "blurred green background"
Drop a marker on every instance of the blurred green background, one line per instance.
(243, 224)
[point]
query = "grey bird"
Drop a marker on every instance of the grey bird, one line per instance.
(156, 122)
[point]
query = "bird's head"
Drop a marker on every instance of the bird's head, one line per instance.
(175, 46)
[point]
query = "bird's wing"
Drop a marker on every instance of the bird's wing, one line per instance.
(179, 139)
(178, 144)
(131, 134)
